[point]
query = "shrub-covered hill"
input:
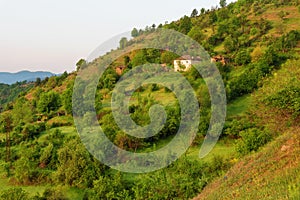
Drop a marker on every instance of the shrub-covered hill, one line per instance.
(9, 93)
(273, 171)
(42, 155)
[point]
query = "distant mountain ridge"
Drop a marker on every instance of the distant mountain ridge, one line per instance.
(10, 78)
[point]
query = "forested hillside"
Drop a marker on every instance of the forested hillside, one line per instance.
(255, 45)
(8, 93)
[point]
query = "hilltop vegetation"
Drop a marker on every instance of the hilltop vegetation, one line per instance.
(8, 93)
(259, 41)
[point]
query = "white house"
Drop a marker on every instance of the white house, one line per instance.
(184, 63)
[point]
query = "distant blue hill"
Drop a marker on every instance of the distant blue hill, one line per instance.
(10, 78)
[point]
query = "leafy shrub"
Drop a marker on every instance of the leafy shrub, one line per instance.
(109, 188)
(29, 131)
(218, 165)
(49, 102)
(14, 194)
(282, 90)
(234, 127)
(243, 57)
(251, 140)
(244, 83)
(286, 98)
(154, 87)
(183, 180)
(53, 194)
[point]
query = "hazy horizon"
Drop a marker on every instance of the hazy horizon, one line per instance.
(54, 35)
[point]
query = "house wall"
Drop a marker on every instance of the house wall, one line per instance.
(178, 63)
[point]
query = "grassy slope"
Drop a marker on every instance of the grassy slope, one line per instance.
(274, 172)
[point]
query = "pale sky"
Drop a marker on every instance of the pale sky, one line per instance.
(52, 35)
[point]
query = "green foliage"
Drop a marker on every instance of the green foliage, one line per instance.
(38, 81)
(243, 57)
(234, 127)
(194, 13)
(48, 102)
(286, 98)
(153, 55)
(286, 42)
(139, 59)
(75, 166)
(46, 155)
(154, 87)
(282, 14)
(22, 112)
(252, 139)
(196, 34)
(109, 188)
(146, 56)
(67, 100)
(24, 170)
(9, 93)
(6, 122)
(202, 11)
(14, 194)
(283, 90)
(230, 44)
(223, 3)
(29, 131)
(223, 15)
(168, 57)
(81, 64)
(185, 25)
(183, 180)
(243, 83)
(127, 61)
(213, 18)
(53, 194)
(108, 79)
(218, 165)
(134, 32)
(271, 57)
(123, 42)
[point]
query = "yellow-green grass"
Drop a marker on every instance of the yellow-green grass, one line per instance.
(62, 120)
(239, 106)
(165, 98)
(271, 173)
(220, 48)
(290, 22)
(32, 190)
(67, 131)
(224, 148)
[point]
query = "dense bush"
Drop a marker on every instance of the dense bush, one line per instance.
(109, 188)
(252, 139)
(234, 127)
(48, 102)
(243, 57)
(283, 89)
(14, 194)
(286, 98)
(243, 83)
